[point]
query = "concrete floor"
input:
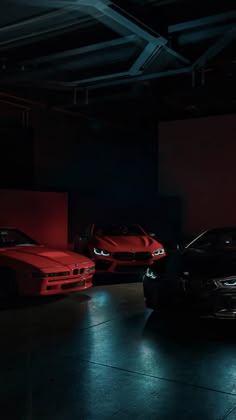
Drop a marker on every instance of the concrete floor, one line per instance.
(101, 355)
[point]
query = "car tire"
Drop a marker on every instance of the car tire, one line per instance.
(8, 284)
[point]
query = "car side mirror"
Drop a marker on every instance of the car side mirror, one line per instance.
(180, 246)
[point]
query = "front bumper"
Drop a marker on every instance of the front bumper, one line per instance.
(170, 295)
(114, 266)
(47, 286)
(68, 286)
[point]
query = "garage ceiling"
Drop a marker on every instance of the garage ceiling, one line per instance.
(176, 56)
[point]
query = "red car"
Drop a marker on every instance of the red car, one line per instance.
(28, 268)
(119, 248)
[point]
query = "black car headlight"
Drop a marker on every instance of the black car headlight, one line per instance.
(150, 274)
(101, 252)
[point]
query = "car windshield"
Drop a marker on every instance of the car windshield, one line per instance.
(118, 230)
(13, 237)
(224, 238)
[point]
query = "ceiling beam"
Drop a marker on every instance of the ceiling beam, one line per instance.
(118, 21)
(150, 52)
(203, 34)
(45, 33)
(86, 62)
(216, 48)
(114, 79)
(121, 24)
(91, 80)
(47, 4)
(84, 50)
(178, 56)
(206, 21)
(33, 20)
(122, 78)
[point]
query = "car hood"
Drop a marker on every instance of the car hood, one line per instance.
(43, 257)
(208, 265)
(127, 243)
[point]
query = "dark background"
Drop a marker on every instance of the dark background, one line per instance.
(110, 172)
(88, 105)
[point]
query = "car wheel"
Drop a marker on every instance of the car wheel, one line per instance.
(8, 285)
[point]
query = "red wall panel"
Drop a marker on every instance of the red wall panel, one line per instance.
(42, 215)
(197, 161)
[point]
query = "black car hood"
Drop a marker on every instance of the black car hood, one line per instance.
(207, 264)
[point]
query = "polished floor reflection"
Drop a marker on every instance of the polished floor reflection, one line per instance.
(101, 355)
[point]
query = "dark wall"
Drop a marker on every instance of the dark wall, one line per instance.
(95, 157)
(197, 162)
(108, 165)
(41, 215)
(16, 151)
(110, 170)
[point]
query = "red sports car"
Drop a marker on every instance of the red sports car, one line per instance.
(28, 268)
(119, 248)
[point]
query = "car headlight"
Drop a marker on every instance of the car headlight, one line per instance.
(101, 252)
(40, 274)
(89, 269)
(159, 251)
(150, 274)
(230, 283)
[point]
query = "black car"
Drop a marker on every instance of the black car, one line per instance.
(200, 278)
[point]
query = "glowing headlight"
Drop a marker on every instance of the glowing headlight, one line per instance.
(150, 274)
(159, 251)
(101, 252)
(230, 283)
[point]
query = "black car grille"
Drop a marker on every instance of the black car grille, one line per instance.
(132, 256)
(130, 269)
(73, 285)
(142, 256)
(77, 271)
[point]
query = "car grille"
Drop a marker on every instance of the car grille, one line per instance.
(130, 269)
(73, 285)
(142, 256)
(132, 256)
(75, 272)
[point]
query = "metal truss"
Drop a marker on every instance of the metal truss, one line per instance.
(216, 48)
(131, 31)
